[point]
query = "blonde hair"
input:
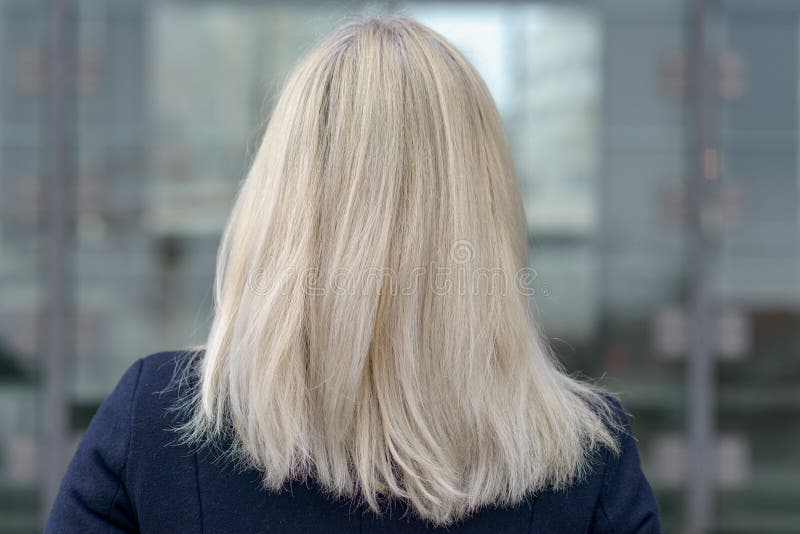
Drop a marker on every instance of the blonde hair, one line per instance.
(338, 349)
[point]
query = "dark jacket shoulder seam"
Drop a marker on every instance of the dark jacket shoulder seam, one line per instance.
(131, 422)
(111, 505)
(609, 458)
(123, 471)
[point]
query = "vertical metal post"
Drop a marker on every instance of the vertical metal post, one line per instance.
(700, 364)
(58, 183)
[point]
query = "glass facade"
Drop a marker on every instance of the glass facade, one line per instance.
(600, 102)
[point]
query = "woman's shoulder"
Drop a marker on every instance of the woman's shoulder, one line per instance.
(157, 368)
(152, 384)
(160, 389)
(613, 496)
(625, 502)
(162, 370)
(128, 459)
(145, 410)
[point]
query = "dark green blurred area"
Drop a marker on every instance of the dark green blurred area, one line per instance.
(168, 101)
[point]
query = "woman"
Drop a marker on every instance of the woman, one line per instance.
(372, 365)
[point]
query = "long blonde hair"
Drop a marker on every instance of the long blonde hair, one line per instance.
(372, 326)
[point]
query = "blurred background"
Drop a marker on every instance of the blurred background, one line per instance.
(657, 144)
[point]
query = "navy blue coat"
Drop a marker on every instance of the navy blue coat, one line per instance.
(128, 476)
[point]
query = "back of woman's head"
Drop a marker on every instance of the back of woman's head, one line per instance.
(372, 325)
